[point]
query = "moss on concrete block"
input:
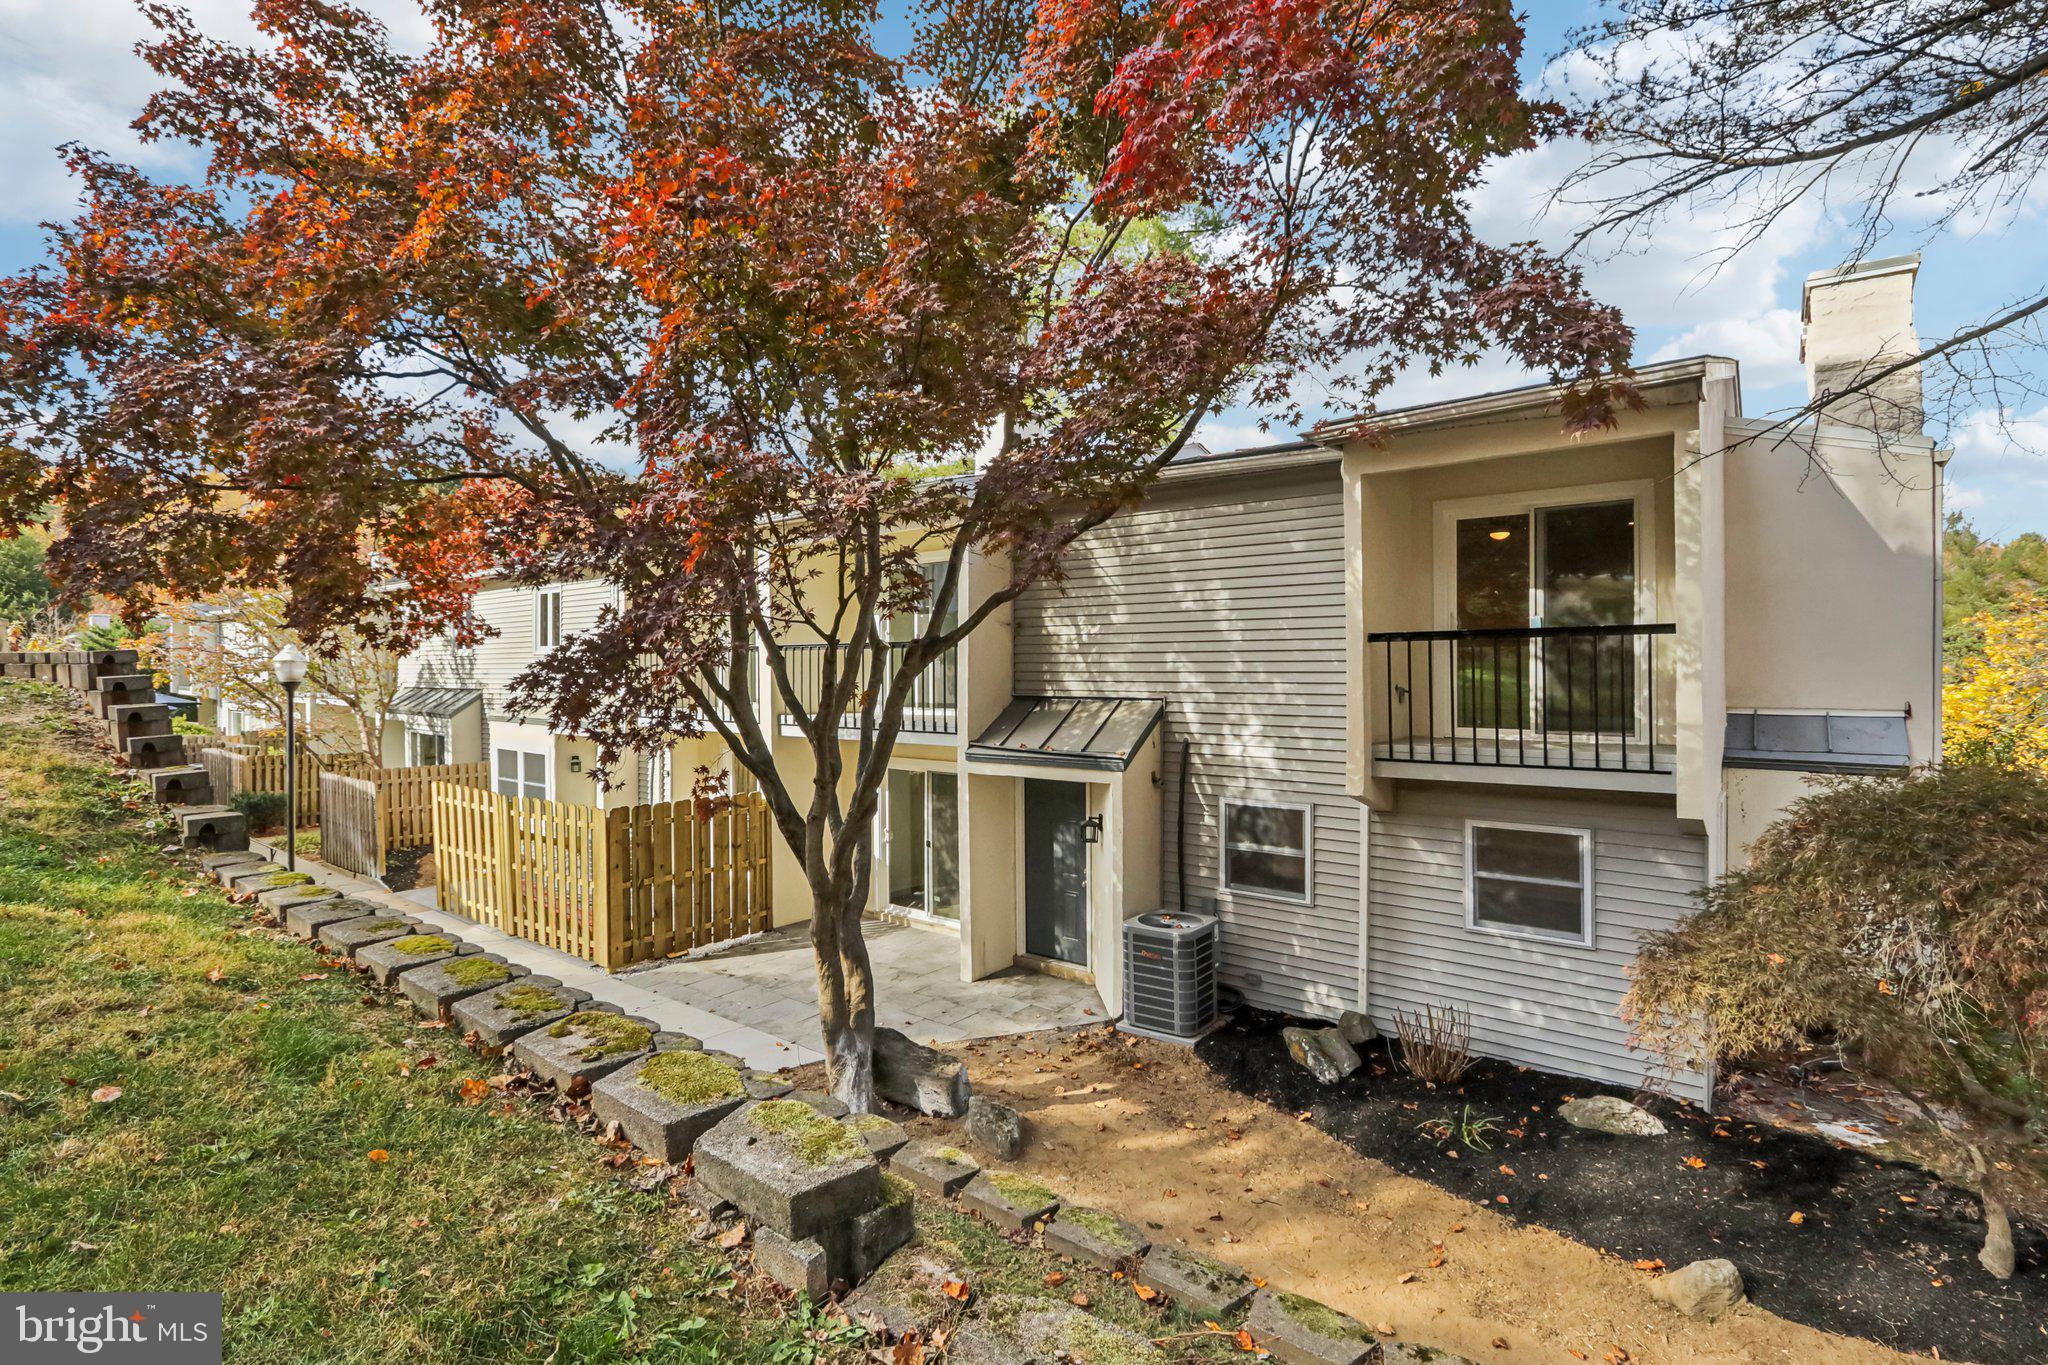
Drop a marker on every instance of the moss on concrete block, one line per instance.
(807, 1134)
(691, 1078)
(476, 971)
(611, 1035)
(422, 944)
(528, 1000)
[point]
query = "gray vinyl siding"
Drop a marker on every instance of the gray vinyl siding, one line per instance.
(508, 616)
(1226, 600)
(1533, 1003)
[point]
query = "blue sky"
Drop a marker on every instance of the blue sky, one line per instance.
(67, 73)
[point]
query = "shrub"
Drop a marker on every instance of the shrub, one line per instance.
(1436, 1045)
(263, 810)
(1905, 914)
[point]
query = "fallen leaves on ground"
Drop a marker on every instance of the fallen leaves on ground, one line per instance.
(379, 1154)
(106, 1094)
(956, 1289)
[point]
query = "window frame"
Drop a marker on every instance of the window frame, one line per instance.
(542, 597)
(414, 739)
(1307, 852)
(1588, 935)
(547, 772)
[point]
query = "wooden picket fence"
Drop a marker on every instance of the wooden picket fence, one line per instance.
(364, 815)
(239, 769)
(614, 887)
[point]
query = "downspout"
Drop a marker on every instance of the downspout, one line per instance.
(1180, 829)
(1940, 595)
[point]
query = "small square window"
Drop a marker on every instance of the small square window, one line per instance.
(547, 618)
(428, 750)
(1532, 880)
(520, 774)
(1266, 849)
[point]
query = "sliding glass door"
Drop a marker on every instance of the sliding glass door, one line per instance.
(922, 836)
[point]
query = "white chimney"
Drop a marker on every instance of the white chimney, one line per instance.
(1856, 320)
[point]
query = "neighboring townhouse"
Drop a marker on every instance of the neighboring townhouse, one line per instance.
(1451, 711)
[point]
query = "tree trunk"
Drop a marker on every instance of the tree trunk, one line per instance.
(846, 997)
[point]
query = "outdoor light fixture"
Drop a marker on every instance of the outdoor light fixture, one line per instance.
(1498, 535)
(289, 664)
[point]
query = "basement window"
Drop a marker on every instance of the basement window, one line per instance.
(1266, 849)
(1533, 881)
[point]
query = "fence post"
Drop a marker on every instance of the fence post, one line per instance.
(504, 814)
(610, 877)
(377, 826)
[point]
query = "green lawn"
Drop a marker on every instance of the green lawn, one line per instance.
(255, 1087)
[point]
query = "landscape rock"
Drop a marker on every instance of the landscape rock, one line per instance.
(1322, 1052)
(917, 1077)
(1356, 1029)
(1012, 1202)
(935, 1168)
(1096, 1238)
(995, 1127)
(497, 1017)
(1700, 1290)
(434, 989)
(1609, 1114)
(665, 1101)
(1301, 1331)
(1201, 1284)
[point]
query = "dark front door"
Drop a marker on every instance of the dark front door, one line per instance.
(1056, 870)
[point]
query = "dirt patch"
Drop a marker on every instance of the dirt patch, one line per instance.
(1148, 1130)
(1823, 1234)
(408, 869)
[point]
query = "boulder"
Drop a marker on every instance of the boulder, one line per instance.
(1301, 1331)
(1100, 1239)
(994, 1127)
(1322, 1052)
(1356, 1029)
(1700, 1290)
(801, 1267)
(1608, 1114)
(917, 1077)
(1203, 1285)
(830, 1106)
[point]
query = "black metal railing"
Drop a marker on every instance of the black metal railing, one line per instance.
(1530, 697)
(932, 708)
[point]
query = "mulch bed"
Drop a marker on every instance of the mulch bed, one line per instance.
(402, 866)
(1881, 1250)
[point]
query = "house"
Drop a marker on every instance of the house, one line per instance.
(1450, 709)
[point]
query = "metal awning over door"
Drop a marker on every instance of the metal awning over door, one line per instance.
(1070, 732)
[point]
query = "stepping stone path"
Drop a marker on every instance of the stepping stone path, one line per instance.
(500, 1016)
(935, 1168)
(1301, 1331)
(394, 957)
(308, 918)
(1012, 1202)
(665, 1102)
(883, 1136)
(1100, 1239)
(1201, 1284)
(346, 937)
(586, 1046)
(434, 988)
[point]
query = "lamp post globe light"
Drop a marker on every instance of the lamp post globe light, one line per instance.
(289, 666)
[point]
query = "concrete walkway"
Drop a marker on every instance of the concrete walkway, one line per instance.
(757, 999)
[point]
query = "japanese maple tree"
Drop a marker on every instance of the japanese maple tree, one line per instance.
(708, 301)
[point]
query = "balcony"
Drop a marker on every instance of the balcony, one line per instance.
(1567, 704)
(932, 708)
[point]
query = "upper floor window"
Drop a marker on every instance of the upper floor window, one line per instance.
(547, 618)
(1266, 849)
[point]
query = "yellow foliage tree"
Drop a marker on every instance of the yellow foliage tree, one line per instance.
(1995, 704)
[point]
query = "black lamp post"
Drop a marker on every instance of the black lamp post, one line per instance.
(290, 667)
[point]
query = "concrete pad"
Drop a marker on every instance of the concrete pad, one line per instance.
(498, 1018)
(1012, 1202)
(1301, 1331)
(307, 918)
(388, 960)
(789, 1168)
(348, 937)
(665, 1111)
(1201, 1284)
(585, 1046)
(1095, 1238)
(434, 989)
(935, 1168)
